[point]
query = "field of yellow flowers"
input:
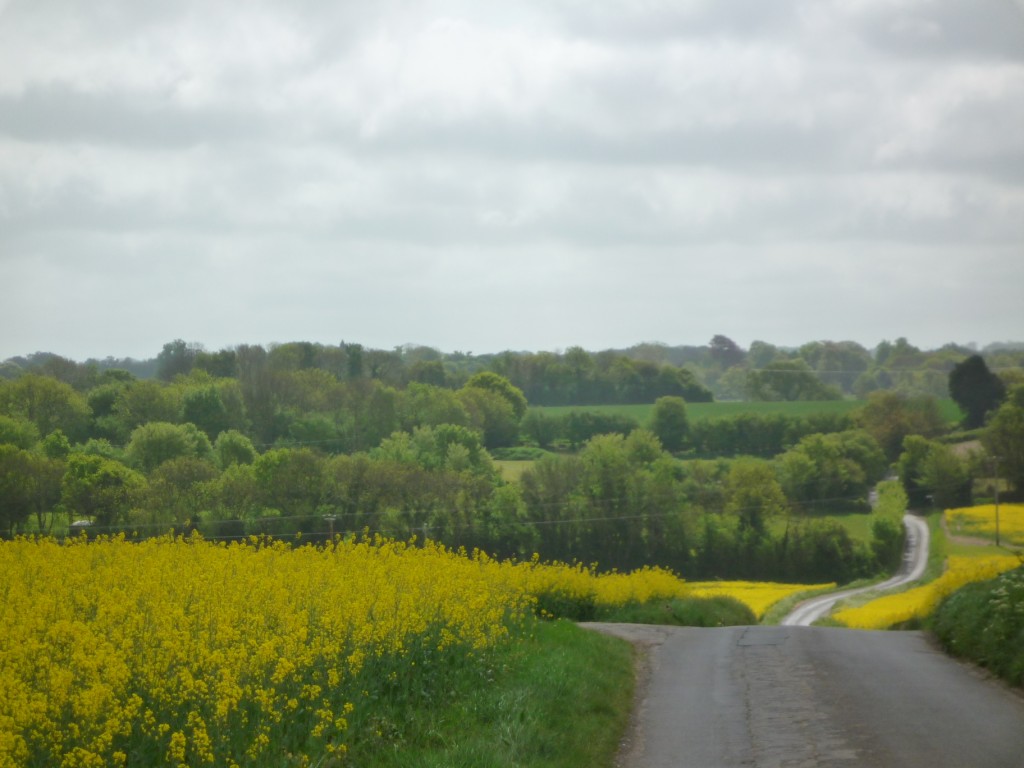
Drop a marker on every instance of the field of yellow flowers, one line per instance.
(184, 652)
(921, 602)
(981, 521)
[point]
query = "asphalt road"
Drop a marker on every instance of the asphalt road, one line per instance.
(915, 559)
(774, 697)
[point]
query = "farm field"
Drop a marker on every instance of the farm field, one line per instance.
(726, 409)
(980, 521)
(184, 652)
(920, 602)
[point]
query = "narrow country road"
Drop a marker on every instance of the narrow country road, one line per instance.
(813, 697)
(915, 559)
(797, 696)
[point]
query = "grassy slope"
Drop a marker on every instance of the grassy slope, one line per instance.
(560, 699)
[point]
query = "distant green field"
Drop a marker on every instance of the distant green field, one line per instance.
(703, 411)
(857, 524)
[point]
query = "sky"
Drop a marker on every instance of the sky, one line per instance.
(533, 175)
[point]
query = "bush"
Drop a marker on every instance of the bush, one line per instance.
(984, 622)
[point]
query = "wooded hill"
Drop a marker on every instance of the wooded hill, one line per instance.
(314, 439)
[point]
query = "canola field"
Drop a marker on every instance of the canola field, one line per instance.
(921, 602)
(981, 521)
(183, 652)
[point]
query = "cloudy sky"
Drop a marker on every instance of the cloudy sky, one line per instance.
(533, 175)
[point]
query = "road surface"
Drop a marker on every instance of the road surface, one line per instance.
(915, 558)
(782, 697)
(797, 696)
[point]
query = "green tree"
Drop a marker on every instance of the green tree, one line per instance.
(234, 496)
(156, 442)
(100, 489)
(56, 445)
(976, 390)
(834, 470)
(499, 385)
(725, 352)
(290, 480)
(788, 380)
(176, 359)
(29, 485)
(910, 468)
(178, 490)
(754, 495)
(890, 416)
(145, 401)
(232, 447)
(540, 428)
(18, 432)
(428, 372)
(491, 414)
(47, 403)
(426, 405)
(1004, 439)
(946, 477)
(670, 422)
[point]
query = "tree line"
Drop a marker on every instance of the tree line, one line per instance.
(285, 449)
(720, 369)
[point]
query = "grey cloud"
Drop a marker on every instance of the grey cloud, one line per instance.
(59, 113)
(629, 171)
(981, 29)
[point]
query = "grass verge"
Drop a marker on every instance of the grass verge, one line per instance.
(984, 622)
(719, 611)
(558, 699)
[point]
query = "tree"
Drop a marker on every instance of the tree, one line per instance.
(501, 386)
(725, 352)
(429, 405)
(98, 488)
(540, 428)
(946, 477)
(975, 389)
(670, 423)
(47, 403)
(788, 380)
(910, 468)
(157, 442)
(29, 484)
(492, 414)
(290, 480)
(891, 416)
(754, 495)
(18, 432)
(176, 358)
(835, 470)
(232, 447)
(1004, 439)
(145, 401)
(178, 490)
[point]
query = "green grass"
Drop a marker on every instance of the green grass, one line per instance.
(560, 699)
(719, 611)
(857, 524)
(724, 410)
(512, 470)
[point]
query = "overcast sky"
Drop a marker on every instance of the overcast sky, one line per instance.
(529, 175)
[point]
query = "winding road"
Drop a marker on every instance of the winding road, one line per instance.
(915, 559)
(814, 697)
